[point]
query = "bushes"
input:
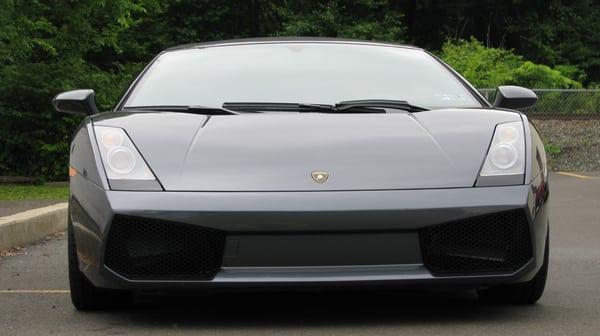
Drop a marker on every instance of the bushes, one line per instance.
(483, 67)
(491, 67)
(533, 75)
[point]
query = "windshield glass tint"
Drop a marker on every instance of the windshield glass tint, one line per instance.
(317, 73)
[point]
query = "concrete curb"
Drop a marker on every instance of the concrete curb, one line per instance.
(28, 226)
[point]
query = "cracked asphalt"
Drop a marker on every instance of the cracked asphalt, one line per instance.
(34, 296)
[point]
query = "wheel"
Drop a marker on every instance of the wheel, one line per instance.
(522, 293)
(84, 295)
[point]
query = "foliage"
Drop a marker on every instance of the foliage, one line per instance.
(51, 46)
(358, 19)
(483, 67)
(553, 155)
(551, 32)
(552, 149)
(45, 50)
(533, 75)
(559, 32)
(28, 192)
(490, 67)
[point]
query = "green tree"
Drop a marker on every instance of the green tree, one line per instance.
(551, 32)
(46, 48)
(360, 19)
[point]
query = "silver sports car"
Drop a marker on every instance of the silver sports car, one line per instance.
(278, 163)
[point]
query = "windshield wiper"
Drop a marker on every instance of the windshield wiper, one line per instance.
(297, 107)
(276, 107)
(182, 108)
(350, 106)
(379, 103)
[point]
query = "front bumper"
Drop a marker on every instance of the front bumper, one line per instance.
(377, 217)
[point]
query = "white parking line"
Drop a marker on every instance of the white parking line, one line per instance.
(578, 176)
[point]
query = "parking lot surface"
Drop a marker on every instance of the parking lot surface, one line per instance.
(34, 297)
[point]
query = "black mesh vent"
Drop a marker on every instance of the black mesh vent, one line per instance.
(150, 249)
(494, 243)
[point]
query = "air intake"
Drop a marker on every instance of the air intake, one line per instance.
(149, 249)
(490, 244)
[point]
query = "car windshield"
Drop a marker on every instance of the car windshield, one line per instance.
(311, 73)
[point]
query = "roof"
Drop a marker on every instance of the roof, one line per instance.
(287, 39)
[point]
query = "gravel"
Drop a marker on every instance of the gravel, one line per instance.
(574, 145)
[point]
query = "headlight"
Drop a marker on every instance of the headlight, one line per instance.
(506, 155)
(503, 156)
(122, 161)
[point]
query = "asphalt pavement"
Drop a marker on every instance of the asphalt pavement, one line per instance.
(34, 296)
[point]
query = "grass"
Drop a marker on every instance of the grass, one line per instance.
(552, 149)
(31, 192)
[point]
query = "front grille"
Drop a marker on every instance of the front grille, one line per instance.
(494, 243)
(149, 249)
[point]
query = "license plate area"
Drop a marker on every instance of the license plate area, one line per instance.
(321, 249)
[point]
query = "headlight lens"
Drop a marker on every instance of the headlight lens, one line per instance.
(507, 151)
(111, 137)
(121, 159)
(503, 156)
(507, 133)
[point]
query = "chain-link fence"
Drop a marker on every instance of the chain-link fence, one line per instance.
(569, 121)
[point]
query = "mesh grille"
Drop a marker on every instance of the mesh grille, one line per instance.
(149, 249)
(495, 243)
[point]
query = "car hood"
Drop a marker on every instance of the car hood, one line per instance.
(279, 151)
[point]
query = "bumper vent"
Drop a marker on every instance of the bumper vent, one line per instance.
(149, 249)
(495, 243)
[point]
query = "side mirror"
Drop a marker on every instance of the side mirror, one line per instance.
(76, 102)
(515, 97)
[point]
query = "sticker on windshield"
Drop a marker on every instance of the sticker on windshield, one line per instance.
(451, 97)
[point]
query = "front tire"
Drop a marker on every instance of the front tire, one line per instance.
(84, 295)
(521, 293)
